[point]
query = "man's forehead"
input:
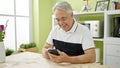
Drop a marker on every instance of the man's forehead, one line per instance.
(61, 16)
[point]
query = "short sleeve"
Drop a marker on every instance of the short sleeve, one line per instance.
(87, 41)
(51, 36)
(49, 39)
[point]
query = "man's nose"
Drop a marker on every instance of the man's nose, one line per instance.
(60, 22)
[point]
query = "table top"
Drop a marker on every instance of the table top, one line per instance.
(36, 60)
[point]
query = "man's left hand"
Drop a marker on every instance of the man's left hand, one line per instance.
(63, 57)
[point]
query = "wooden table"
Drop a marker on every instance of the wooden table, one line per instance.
(35, 60)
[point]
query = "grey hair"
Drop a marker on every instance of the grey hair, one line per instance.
(63, 5)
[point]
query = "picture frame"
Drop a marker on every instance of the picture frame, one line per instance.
(102, 5)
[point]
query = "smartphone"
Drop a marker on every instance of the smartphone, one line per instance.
(53, 51)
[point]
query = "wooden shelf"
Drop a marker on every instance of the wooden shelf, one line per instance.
(98, 39)
(113, 12)
(86, 13)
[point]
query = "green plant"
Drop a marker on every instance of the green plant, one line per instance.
(32, 45)
(2, 31)
(26, 46)
(8, 51)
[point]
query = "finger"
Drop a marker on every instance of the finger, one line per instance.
(63, 54)
(52, 55)
(60, 52)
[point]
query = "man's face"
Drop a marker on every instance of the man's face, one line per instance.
(65, 20)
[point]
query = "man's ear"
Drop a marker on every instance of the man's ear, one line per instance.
(72, 14)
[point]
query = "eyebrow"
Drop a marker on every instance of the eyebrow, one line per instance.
(62, 17)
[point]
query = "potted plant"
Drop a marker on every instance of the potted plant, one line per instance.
(2, 48)
(8, 51)
(31, 47)
(2, 36)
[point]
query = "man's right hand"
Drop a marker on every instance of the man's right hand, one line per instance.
(45, 50)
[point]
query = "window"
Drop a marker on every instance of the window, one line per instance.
(18, 30)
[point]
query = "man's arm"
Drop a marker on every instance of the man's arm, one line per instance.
(45, 50)
(88, 57)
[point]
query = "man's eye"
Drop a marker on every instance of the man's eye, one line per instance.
(57, 19)
(63, 19)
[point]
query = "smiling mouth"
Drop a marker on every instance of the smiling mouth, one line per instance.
(63, 26)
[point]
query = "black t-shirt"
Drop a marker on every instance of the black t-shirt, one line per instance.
(71, 49)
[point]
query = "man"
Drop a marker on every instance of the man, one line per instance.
(68, 30)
